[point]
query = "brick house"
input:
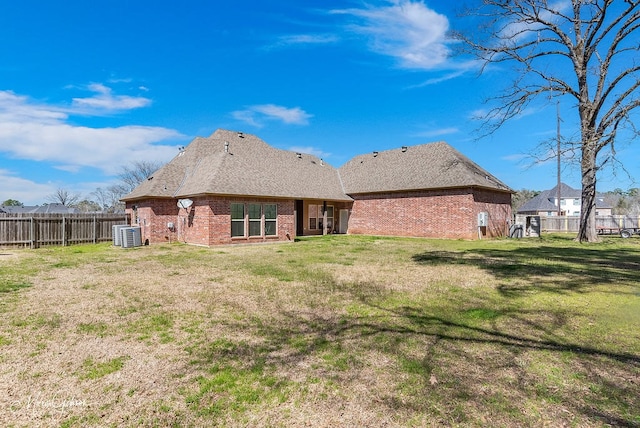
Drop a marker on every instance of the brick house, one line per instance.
(235, 188)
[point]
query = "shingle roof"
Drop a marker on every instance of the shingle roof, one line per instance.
(426, 166)
(539, 202)
(53, 208)
(543, 201)
(232, 163)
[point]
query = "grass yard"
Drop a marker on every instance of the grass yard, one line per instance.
(325, 332)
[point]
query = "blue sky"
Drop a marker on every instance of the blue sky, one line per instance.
(86, 87)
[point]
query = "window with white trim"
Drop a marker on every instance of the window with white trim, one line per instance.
(313, 216)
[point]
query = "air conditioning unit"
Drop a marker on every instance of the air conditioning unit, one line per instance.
(117, 235)
(131, 237)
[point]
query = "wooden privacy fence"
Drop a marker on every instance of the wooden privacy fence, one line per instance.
(572, 223)
(36, 230)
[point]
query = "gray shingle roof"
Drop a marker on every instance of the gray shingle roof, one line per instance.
(53, 208)
(426, 166)
(543, 201)
(250, 167)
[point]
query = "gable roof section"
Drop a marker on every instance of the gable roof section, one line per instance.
(540, 202)
(426, 166)
(545, 200)
(232, 163)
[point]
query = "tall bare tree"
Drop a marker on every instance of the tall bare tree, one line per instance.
(583, 49)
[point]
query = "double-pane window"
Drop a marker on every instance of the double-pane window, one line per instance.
(237, 220)
(256, 219)
(270, 217)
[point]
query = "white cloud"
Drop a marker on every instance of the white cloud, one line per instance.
(304, 40)
(105, 100)
(438, 132)
(309, 150)
(25, 191)
(406, 30)
(257, 114)
(39, 132)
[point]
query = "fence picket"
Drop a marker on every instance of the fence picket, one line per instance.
(572, 223)
(35, 230)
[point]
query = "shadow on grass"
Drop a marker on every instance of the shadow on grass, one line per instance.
(461, 355)
(549, 268)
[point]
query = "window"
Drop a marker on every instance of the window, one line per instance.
(255, 220)
(316, 217)
(313, 216)
(270, 218)
(261, 219)
(576, 201)
(563, 202)
(237, 220)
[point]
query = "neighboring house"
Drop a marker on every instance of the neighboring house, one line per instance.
(38, 209)
(546, 203)
(233, 187)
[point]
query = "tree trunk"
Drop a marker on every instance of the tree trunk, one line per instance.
(587, 231)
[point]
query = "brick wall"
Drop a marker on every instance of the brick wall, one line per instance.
(153, 216)
(207, 222)
(451, 213)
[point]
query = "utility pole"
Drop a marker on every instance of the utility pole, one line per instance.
(558, 193)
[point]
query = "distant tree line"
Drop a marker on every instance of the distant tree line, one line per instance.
(102, 199)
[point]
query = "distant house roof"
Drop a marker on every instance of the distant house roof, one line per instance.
(545, 201)
(38, 209)
(426, 166)
(232, 163)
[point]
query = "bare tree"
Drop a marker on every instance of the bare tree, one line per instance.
(64, 197)
(136, 173)
(130, 176)
(586, 50)
(109, 198)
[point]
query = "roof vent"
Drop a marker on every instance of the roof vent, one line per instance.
(321, 162)
(404, 149)
(240, 135)
(226, 147)
(375, 154)
(299, 155)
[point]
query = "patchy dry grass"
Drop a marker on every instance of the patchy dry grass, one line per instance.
(333, 331)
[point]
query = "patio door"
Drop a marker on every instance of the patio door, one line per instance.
(344, 221)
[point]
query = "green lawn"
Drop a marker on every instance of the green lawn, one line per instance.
(328, 331)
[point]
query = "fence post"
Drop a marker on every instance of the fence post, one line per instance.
(32, 233)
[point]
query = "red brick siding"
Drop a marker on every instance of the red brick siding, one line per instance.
(449, 213)
(498, 205)
(436, 213)
(152, 216)
(207, 222)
